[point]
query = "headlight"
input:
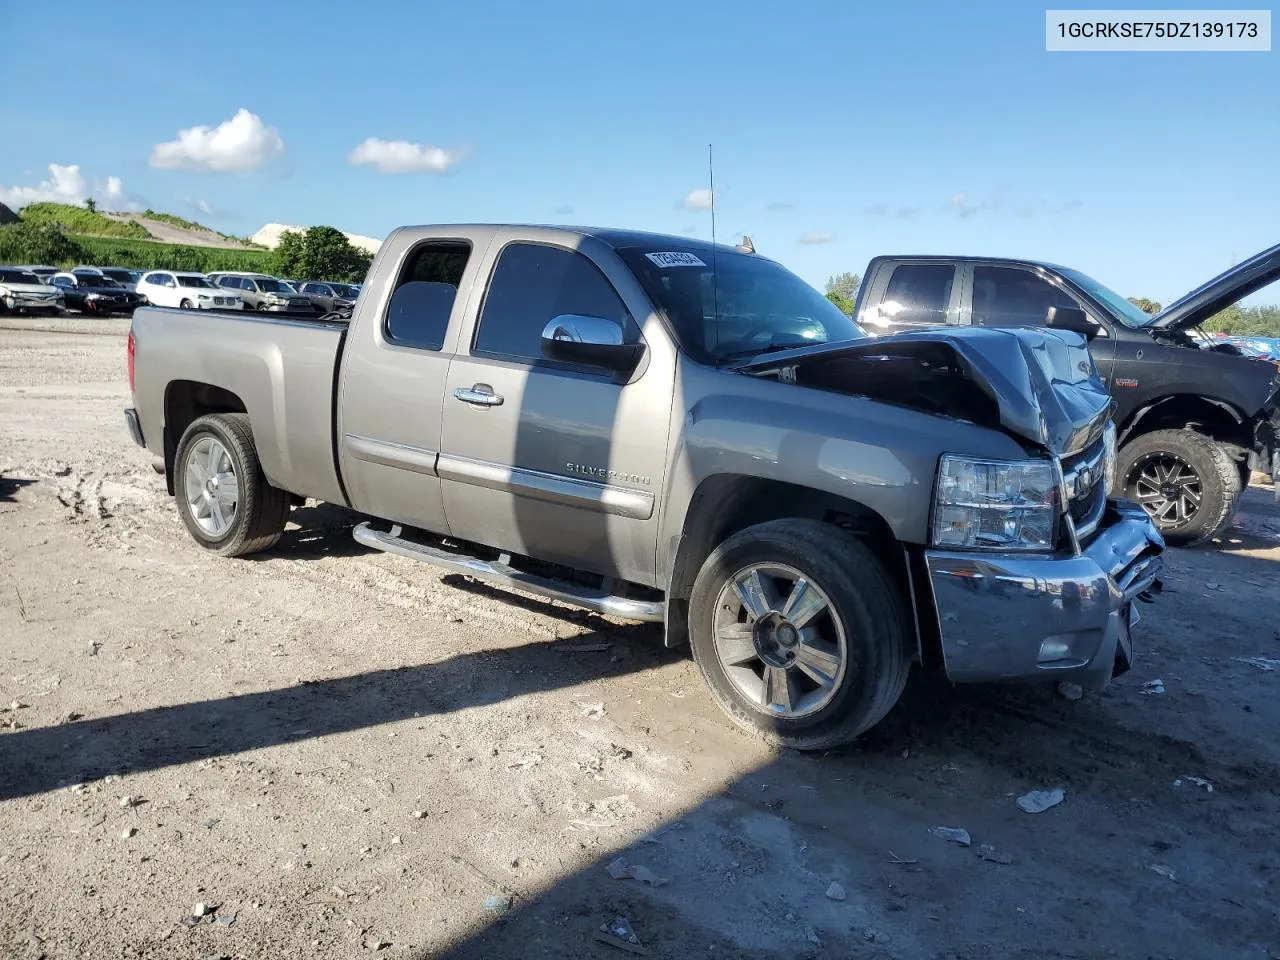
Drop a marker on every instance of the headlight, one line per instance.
(995, 504)
(202, 296)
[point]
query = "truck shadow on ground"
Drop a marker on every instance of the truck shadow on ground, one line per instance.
(316, 530)
(9, 486)
(38, 760)
(731, 893)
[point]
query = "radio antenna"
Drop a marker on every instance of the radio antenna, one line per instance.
(715, 286)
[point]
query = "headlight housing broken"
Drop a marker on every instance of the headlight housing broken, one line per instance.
(984, 504)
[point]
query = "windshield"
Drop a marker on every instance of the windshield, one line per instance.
(1121, 309)
(120, 276)
(342, 290)
(18, 276)
(273, 286)
(754, 305)
(194, 282)
(105, 282)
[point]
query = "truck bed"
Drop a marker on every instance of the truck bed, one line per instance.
(280, 368)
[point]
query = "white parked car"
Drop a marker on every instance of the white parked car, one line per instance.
(189, 291)
(22, 292)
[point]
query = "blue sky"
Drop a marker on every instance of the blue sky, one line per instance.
(941, 128)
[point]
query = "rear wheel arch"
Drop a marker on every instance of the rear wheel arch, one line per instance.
(185, 401)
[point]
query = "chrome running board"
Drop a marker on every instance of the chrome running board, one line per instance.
(501, 572)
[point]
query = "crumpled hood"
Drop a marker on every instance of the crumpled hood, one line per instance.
(1044, 382)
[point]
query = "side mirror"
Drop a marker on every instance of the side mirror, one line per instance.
(593, 340)
(1071, 318)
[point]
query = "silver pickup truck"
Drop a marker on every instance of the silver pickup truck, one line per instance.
(660, 429)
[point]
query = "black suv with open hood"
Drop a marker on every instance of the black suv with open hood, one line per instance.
(1195, 416)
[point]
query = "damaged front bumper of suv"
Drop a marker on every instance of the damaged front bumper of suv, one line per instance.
(1265, 456)
(1006, 617)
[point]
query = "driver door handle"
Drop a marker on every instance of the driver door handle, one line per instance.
(481, 395)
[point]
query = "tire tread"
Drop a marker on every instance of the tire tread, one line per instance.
(265, 507)
(1219, 476)
(882, 606)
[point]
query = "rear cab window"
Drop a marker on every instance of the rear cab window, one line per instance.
(917, 294)
(422, 302)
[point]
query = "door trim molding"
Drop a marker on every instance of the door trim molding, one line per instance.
(548, 487)
(389, 454)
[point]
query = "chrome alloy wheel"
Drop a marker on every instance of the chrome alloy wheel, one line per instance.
(211, 485)
(779, 640)
(1167, 487)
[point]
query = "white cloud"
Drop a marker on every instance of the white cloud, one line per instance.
(699, 199)
(401, 156)
(817, 236)
(242, 143)
(964, 208)
(65, 185)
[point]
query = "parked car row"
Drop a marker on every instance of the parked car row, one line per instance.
(107, 290)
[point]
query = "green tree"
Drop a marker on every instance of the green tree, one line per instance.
(289, 256)
(91, 205)
(1145, 305)
(25, 242)
(322, 253)
(842, 290)
(1245, 321)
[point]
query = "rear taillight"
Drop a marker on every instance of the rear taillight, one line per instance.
(131, 352)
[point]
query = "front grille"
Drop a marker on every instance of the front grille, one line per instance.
(1086, 487)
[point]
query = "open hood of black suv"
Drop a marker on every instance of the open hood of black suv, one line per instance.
(1220, 292)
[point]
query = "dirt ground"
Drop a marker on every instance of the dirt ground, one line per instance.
(347, 754)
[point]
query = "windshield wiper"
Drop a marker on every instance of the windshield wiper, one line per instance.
(760, 351)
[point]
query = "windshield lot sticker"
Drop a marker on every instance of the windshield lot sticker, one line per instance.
(674, 260)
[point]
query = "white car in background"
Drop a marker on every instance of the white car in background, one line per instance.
(22, 292)
(187, 291)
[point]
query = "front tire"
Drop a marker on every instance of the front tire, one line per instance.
(1184, 480)
(185, 305)
(800, 633)
(223, 496)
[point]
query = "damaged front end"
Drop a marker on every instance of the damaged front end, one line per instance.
(1265, 455)
(1060, 609)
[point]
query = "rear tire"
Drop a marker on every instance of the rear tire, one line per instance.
(803, 679)
(1184, 480)
(219, 448)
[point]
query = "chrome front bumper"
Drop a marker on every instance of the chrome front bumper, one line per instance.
(1019, 617)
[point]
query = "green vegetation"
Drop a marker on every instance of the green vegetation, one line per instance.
(1234, 320)
(27, 242)
(174, 220)
(1246, 321)
(1145, 305)
(842, 290)
(322, 253)
(82, 220)
(153, 255)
